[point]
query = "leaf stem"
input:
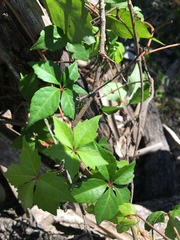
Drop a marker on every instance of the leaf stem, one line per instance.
(50, 131)
(100, 61)
(140, 73)
(86, 226)
(156, 230)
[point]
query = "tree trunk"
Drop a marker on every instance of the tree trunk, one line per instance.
(20, 25)
(154, 171)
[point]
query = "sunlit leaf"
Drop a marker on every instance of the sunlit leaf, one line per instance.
(122, 25)
(125, 174)
(47, 71)
(79, 89)
(153, 218)
(85, 132)
(78, 51)
(63, 132)
(117, 52)
(90, 157)
(114, 91)
(135, 87)
(67, 103)
(44, 103)
(106, 206)
(110, 109)
(60, 152)
(89, 191)
(122, 193)
(72, 72)
(125, 223)
(136, 97)
(108, 171)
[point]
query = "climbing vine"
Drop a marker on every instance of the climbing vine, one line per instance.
(85, 170)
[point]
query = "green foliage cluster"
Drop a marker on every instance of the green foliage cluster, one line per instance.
(105, 188)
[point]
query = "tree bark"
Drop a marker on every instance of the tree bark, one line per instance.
(154, 171)
(20, 25)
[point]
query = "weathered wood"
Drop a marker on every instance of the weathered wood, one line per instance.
(155, 171)
(20, 25)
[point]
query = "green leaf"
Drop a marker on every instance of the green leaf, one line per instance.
(125, 217)
(122, 194)
(47, 71)
(103, 170)
(138, 14)
(122, 163)
(127, 209)
(28, 85)
(135, 89)
(136, 97)
(51, 190)
(72, 72)
(125, 223)
(103, 143)
(110, 109)
(107, 171)
(89, 191)
(116, 52)
(25, 194)
(72, 17)
(44, 103)
(63, 133)
(114, 91)
(158, 41)
(67, 103)
(51, 38)
(37, 133)
(153, 218)
(123, 26)
(30, 161)
(115, 3)
(78, 51)
(85, 132)
(125, 174)
(174, 213)
(93, 49)
(169, 231)
(177, 207)
(72, 164)
(17, 175)
(27, 170)
(134, 78)
(59, 153)
(79, 90)
(90, 156)
(103, 209)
